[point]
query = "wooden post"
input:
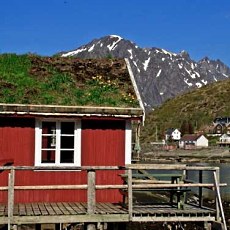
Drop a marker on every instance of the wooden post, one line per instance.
(91, 193)
(130, 194)
(200, 188)
(218, 197)
(216, 174)
(184, 178)
(91, 197)
(11, 176)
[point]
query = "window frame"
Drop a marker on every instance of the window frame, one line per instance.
(38, 143)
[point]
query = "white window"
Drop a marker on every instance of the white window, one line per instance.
(57, 143)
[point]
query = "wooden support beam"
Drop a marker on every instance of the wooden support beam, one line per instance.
(11, 176)
(217, 188)
(200, 188)
(91, 197)
(91, 192)
(149, 186)
(130, 194)
(216, 177)
(51, 187)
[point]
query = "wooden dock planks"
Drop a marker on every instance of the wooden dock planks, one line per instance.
(67, 208)
(74, 212)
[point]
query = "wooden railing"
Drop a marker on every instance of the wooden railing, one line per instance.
(130, 186)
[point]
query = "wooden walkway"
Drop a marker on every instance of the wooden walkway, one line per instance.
(177, 209)
(105, 212)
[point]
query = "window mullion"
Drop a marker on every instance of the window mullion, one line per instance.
(58, 142)
(77, 143)
(38, 141)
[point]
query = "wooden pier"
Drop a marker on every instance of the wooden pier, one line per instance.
(137, 179)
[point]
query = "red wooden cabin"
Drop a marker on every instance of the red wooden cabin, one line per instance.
(55, 135)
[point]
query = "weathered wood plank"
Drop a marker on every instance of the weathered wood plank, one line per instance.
(22, 210)
(50, 187)
(36, 209)
(100, 209)
(29, 210)
(117, 208)
(149, 186)
(69, 208)
(109, 212)
(78, 208)
(49, 209)
(16, 209)
(217, 189)
(55, 208)
(83, 205)
(108, 209)
(11, 180)
(130, 166)
(69, 219)
(63, 209)
(2, 210)
(130, 194)
(91, 192)
(43, 209)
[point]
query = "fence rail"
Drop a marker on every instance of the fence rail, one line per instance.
(130, 186)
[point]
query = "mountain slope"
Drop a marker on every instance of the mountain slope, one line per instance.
(200, 107)
(159, 74)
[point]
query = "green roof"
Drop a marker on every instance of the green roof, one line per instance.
(32, 79)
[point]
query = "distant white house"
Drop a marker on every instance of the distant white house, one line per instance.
(192, 141)
(225, 138)
(172, 133)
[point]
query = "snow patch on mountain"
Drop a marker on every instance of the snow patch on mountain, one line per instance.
(75, 52)
(91, 48)
(205, 82)
(114, 44)
(131, 54)
(186, 81)
(198, 84)
(159, 73)
(136, 66)
(146, 63)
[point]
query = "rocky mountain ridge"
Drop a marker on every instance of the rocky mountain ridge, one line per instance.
(159, 74)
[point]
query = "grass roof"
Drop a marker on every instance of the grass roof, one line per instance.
(31, 79)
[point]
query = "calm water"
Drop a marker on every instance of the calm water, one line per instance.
(208, 177)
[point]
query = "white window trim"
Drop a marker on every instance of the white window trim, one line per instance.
(38, 143)
(128, 142)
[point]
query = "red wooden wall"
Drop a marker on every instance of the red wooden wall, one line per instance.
(103, 143)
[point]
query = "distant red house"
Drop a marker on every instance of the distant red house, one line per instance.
(58, 135)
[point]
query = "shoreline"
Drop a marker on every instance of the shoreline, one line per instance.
(205, 155)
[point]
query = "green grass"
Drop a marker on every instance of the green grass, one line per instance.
(31, 79)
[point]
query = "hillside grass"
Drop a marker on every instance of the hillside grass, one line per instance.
(200, 107)
(25, 80)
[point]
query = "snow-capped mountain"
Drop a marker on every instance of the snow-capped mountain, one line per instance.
(159, 74)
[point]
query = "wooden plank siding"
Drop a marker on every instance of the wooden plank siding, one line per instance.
(103, 143)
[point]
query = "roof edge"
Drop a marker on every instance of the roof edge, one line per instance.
(59, 110)
(135, 87)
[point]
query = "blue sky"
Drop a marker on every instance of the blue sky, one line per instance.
(45, 27)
